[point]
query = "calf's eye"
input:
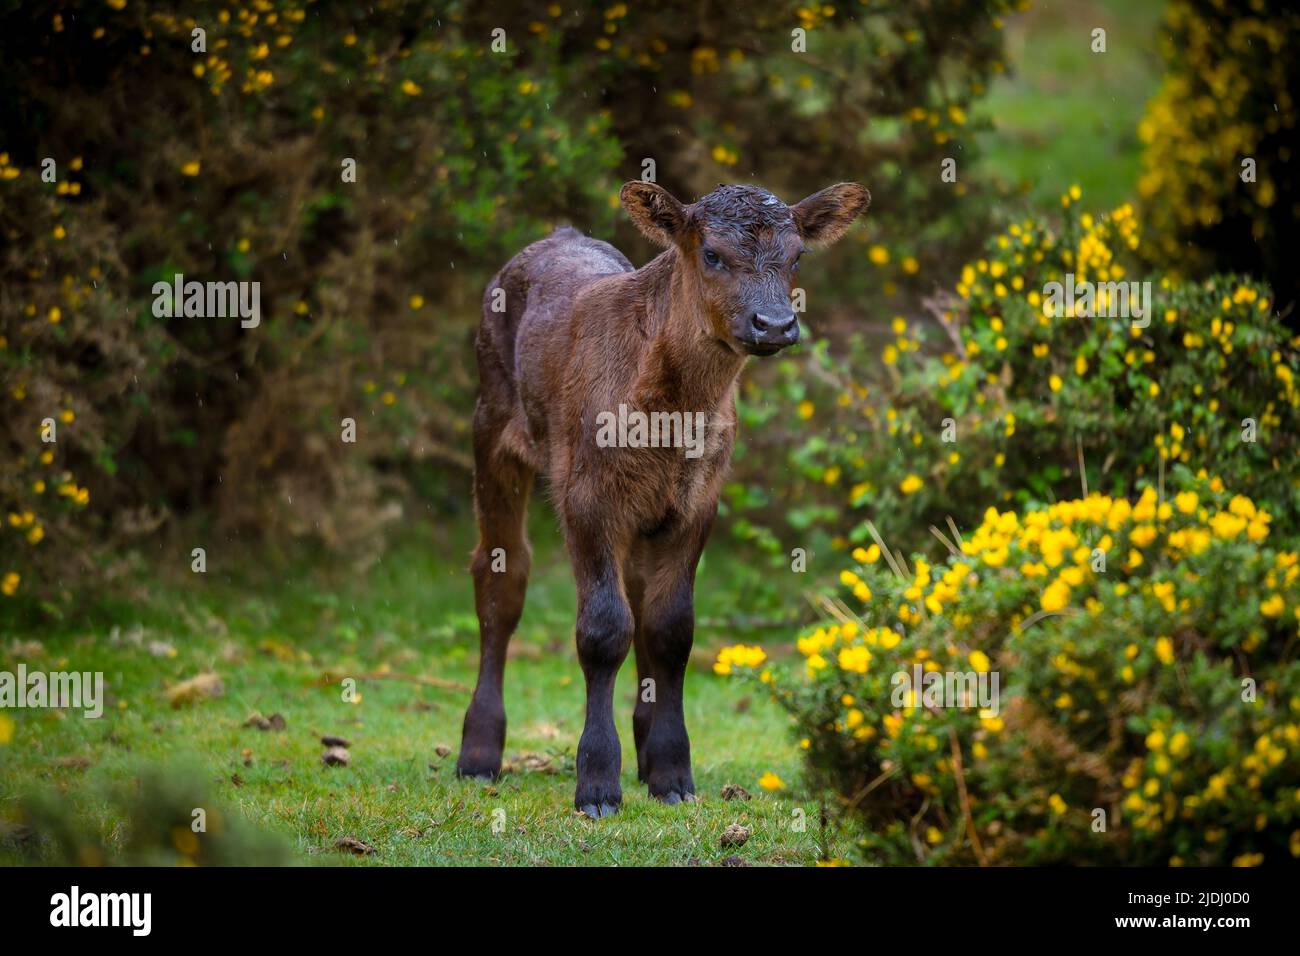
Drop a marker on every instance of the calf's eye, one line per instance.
(712, 258)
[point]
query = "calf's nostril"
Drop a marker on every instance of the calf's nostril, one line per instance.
(778, 328)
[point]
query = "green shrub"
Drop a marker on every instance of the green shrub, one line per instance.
(1152, 690)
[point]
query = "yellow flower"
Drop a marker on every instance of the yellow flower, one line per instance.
(6, 729)
(910, 484)
(417, 301)
(878, 254)
(1054, 383)
(191, 168)
(1058, 805)
(1055, 596)
(806, 409)
(979, 661)
(770, 781)
(1178, 744)
(992, 724)
(1165, 650)
(855, 659)
(738, 655)
(410, 88)
(9, 583)
(1273, 607)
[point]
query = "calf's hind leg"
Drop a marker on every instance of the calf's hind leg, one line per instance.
(500, 568)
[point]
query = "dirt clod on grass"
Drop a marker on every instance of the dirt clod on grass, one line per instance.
(734, 835)
(350, 844)
(733, 791)
(197, 688)
(274, 722)
(336, 757)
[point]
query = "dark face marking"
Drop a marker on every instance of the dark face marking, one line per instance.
(745, 251)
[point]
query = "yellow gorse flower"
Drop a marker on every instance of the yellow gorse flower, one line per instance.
(738, 655)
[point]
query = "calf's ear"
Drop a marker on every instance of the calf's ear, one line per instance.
(656, 212)
(825, 216)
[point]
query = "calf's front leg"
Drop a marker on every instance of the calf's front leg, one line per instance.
(666, 631)
(604, 636)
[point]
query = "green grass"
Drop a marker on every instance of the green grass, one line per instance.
(1065, 115)
(281, 639)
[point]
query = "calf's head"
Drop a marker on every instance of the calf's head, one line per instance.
(739, 248)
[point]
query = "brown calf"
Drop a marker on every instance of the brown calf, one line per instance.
(570, 333)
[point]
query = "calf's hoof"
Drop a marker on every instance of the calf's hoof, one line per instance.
(478, 766)
(598, 810)
(673, 797)
(672, 787)
(598, 800)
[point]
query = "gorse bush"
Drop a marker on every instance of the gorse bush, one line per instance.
(234, 167)
(60, 424)
(1006, 405)
(1219, 188)
(1148, 705)
(370, 166)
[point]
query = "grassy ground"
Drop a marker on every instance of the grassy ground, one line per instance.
(1064, 114)
(281, 642)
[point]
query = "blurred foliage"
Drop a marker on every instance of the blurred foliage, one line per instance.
(1148, 703)
(212, 140)
(1018, 398)
(163, 818)
(1228, 97)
